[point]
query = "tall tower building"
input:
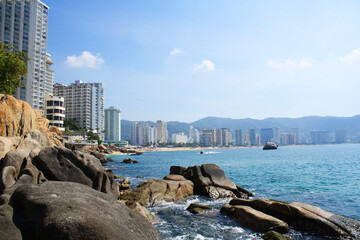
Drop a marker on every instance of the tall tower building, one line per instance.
(252, 136)
(84, 102)
(238, 137)
(112, 124)
(24, 25)
(266, 135)
(49, 75)
(276, 135)
(194, 135)
(162, 132)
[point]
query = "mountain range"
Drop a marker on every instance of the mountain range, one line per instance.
(351, 124)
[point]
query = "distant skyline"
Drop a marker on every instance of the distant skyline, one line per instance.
(186, 60)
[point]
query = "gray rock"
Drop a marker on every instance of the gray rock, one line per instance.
(197, 208)
(75, 211)
(8, 230)
(62, 164)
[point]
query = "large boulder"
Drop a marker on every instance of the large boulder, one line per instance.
(75, 211)
(17, 117)
(209, 180)
(152, 191)
(255, 220)
(305, 217)
(7, 144)
(8, 230)
(62, 164)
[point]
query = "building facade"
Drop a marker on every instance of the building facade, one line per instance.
(24, 24)
(238, 137)
(142, 134)
(112, 124)
(340, 136)
(84, 103)
(55, 111)
(194, 135)
(162, 132)
(179, 138)
(266, 135)
(252, 136)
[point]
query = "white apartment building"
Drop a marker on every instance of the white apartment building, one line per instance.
(179, 138)
(112, 124)
(24, 24)
(194, 135)
(84, 102)
(55, 111)
(162, 132)
(49, 76)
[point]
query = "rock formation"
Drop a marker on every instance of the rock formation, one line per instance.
(48, 191)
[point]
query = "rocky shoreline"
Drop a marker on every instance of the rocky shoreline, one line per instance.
(48, 188)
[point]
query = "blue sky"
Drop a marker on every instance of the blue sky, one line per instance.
(185, 60)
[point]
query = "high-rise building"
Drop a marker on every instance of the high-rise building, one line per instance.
(49, 75)
(276, 135)
(84, 103)
(238, 137)
(212, 134)
(153, 134)
(162, 132)
(252, 136)
(179, 138)
(142, 134)
(194, 136)
(112, 124)
(296, 131)
(55, 111)
(319, 137)
(24, 25)
(206, 138)
(340, 135)
(288, 139)
(258, 140)
(267, 135)
(225, 137)
(219, 137)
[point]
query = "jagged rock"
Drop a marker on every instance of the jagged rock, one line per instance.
(209, 180)
(270, 146)
(8, 230)
(62, 164)
(129, 160)
(16, 118)
(177, 170)
(174, 177)
(155, 190)
(272, 235)
(255, 220)
(7, 144)
(197, 208)
(75, 211)
(305, 217)
(140, 209)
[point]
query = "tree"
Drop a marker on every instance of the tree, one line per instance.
(12, 68)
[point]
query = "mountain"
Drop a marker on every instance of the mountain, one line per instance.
(351, 124)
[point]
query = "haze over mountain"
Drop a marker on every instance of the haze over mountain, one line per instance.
(351, 124)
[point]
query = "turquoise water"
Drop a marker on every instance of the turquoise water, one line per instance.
(324, 175)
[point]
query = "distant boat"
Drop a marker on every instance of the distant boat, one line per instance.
(201, 152)
(270, 146)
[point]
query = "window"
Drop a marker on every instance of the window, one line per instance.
(50, 103)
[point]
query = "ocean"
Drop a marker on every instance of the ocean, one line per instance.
(327, 176)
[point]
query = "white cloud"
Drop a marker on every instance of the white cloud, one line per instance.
(352, 57)
(176, 51)
(86, 59)
(205, 66)
(290, 65)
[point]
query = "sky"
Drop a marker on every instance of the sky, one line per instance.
(186, 60)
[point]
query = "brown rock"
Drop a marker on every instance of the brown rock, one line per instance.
(272, 235)
(255, 220)
(174, 177)
(197, 208)
(140, 209)
(8, 230)
(152, 191)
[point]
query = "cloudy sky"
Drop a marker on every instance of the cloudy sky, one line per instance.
(185, 60)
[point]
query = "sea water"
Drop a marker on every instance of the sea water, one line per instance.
(327, 176)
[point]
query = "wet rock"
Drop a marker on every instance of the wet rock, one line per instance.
(152, 191)
(75, 211)
(140, 209)
(305, 217)
(270, 146)
(129, 160)
(197, 208)
(272, 235)
(177, 170)
(255, 220)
